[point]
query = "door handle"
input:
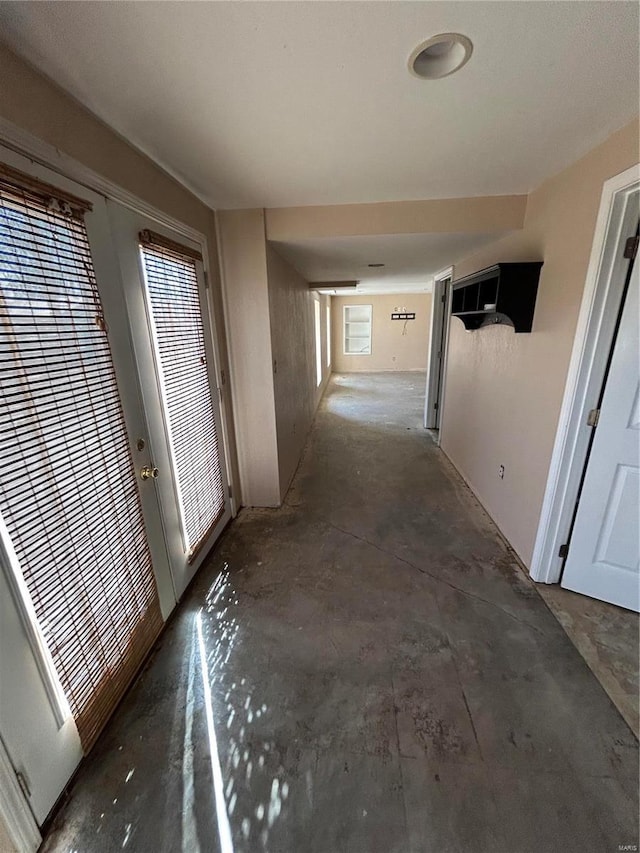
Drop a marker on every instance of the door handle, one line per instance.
(147, 472)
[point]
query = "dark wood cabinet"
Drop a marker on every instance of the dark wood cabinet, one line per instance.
(504, 293)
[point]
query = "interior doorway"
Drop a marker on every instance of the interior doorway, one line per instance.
(601, 314)
(436, 363)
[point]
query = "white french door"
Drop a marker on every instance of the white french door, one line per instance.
(78, 587)
(100, 388)
(604, 551)
(164, 285)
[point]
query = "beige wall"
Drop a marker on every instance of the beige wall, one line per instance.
(33, 103)
(390, 349)
(504, 391)
(297, 393)
(246, 296)
(456, 215)
(270, 318)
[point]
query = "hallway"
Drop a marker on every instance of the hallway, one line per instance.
(379, 676)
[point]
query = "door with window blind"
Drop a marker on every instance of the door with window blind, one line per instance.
(80, 606)
(171, 319)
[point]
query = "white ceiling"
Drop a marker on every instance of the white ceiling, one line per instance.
(410, 260)
(281, 103)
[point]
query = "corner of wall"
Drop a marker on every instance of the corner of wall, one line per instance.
(297, 394)
(243, 263)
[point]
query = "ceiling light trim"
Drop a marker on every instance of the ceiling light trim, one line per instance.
(440, 56)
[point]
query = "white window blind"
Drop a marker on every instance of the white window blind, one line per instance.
(68, 491)
(172, 288)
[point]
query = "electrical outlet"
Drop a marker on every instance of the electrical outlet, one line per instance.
(501, 472)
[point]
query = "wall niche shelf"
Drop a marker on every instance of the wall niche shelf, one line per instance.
(504, 293)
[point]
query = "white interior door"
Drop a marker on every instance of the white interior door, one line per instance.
(440, 317)
(604, 552)
(174, 343)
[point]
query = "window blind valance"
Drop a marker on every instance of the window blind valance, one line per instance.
(40, 192)
(159, 241)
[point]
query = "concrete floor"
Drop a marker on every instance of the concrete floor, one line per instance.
(364, 670)
(607, 637)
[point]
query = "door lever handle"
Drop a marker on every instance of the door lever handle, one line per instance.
(147, 472)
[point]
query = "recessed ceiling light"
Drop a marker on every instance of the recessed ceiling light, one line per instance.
(375, 265)
(440, 56)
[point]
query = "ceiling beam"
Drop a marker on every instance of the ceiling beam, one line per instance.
(435, 216)
(333, 285)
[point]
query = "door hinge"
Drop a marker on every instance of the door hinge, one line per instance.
(443, 298)
(223, 378)
(230, 490)
(24, 785)
(593, 417)
(436, 405)
(206, 279)
(564, 550)
(631, 247)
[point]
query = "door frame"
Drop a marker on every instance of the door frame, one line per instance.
(606, 275)
(15, 813)
(125, 225)
(438, 343)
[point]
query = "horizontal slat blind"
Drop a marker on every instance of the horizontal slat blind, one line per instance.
(172, 287)
(68, 493)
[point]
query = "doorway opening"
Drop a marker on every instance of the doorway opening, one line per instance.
(438, 343)
(587, 549)
(597, 322)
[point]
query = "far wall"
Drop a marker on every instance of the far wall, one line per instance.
(390, 349)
